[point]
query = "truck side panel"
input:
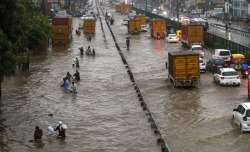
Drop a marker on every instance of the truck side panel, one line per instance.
(134, 26)
(158, 26)
(89, 26)
(192, 34)
(196, 34)
(192, 69)
(180, 67)
(142, 19)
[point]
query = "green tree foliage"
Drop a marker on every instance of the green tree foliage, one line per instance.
(22, 26)
(39, 31)
(7, 58)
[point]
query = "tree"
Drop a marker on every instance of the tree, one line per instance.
(7, 59)
(39, 31)
(22, 26)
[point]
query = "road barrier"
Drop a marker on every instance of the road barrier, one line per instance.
(103, 33)
(160, 141)
(213, 41)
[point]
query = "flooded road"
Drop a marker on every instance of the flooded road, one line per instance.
(103, 117)
(191, 120)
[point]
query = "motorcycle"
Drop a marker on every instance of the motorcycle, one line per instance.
(245, 73)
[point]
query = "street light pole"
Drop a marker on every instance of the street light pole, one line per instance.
(177, 8)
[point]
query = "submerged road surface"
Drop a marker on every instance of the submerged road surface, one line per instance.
(103, 117)
(191, 120)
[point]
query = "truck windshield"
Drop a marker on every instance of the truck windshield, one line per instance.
(224, 53)
(230, 73)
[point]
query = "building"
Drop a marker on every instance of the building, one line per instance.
(239, 9)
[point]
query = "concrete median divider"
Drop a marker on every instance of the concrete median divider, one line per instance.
(161, 142)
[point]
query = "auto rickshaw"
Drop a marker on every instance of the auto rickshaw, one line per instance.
(178, 34)
(237, 60)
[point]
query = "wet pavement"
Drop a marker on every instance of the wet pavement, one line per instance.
(190, 120)
(104, 116)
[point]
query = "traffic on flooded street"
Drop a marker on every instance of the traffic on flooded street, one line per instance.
(115, 77)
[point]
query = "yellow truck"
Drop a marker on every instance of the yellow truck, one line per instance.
(134, 26)
(125, 8)
(142, 19)
(122, 8)
(62, 30)
(158, 28)
(118, 8)
(192, 34)
(89, 25)
(184, 68)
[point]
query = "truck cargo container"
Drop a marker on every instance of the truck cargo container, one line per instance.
(125, 8)
(134, 26)
(192, 34)
(142, 19)
(89, 25)
(118, 8)
(183, 68)
(62, 30)
(158, 28)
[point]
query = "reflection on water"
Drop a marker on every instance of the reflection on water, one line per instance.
(103, 116)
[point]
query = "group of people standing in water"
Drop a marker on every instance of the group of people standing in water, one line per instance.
(61, 128)
(69, 82)
(89, 51)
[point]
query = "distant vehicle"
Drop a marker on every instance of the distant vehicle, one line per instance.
(184, 68)
(144, 28)
(174, 19)
(178, 34)
(202, 65)
(241, 116)
(237, 60)
(172, 38)
(198, 48)
(154, 11)
(213, 64)
(163, 13)
(227, 76)
(125, 22)
(222, 54)
(131, 14)
(200, 21)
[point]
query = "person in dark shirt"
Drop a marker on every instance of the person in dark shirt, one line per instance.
(38, 134)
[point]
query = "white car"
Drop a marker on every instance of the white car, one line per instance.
(202, 65)
(198, 48)
(227, 76)
(172, 38)
(222, 54)
(241, 116)
(144, 28)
